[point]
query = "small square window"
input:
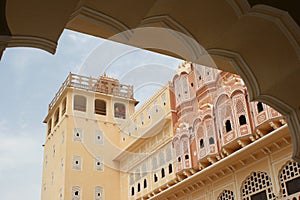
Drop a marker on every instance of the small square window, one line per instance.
(99, 164)
(98, 193)
(76, 163)
(76, 193)
(77, 136)
(99, 137)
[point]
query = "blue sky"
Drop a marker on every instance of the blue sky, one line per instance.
(29, 79)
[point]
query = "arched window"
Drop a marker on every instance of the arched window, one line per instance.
(211, 140)
(260, 107)
(179, 159)
(242, 120)
(163, 173)
(290, 179)
(64, 106)
(155, 178)
(100, 107)
(120, 110)
(56, 117)
(170, 168)
(139, 187)
(132, 191)
(257, 186)
(226, 195)
(201, 143)
(80, 103)
(186, 156)
(145, 183)
(228, 126)
(49, 126)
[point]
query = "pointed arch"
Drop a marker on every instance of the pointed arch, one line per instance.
(289, 178)
(257, 185)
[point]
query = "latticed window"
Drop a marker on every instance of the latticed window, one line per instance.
(154, 163)
(209, 127)
(168, 154)
(144, 170)
(185, 145)
(224, 114)
(161, 158)
(200, 132)
(177, 147)
(185, 87)
(198, 74)
(257, 186)
(137, 174)
(290, 179)
(178, 90)
(240, 107)
(226, 195)
(131, 179)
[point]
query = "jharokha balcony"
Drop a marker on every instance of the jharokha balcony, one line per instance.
(103, 84)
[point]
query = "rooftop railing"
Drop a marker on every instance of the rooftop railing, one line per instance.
(103, 85)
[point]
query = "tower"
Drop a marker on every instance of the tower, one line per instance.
(82, 123)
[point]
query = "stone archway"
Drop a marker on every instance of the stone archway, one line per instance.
(261, 43)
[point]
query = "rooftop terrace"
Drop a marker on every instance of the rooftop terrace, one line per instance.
(103, 84)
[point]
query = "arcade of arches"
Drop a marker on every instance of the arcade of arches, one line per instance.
(257, 39)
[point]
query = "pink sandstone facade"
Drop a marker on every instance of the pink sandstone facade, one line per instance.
(215, 116)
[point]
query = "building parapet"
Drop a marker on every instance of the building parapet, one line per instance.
(103, 84)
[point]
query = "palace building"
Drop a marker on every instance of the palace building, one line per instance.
(198, 137)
